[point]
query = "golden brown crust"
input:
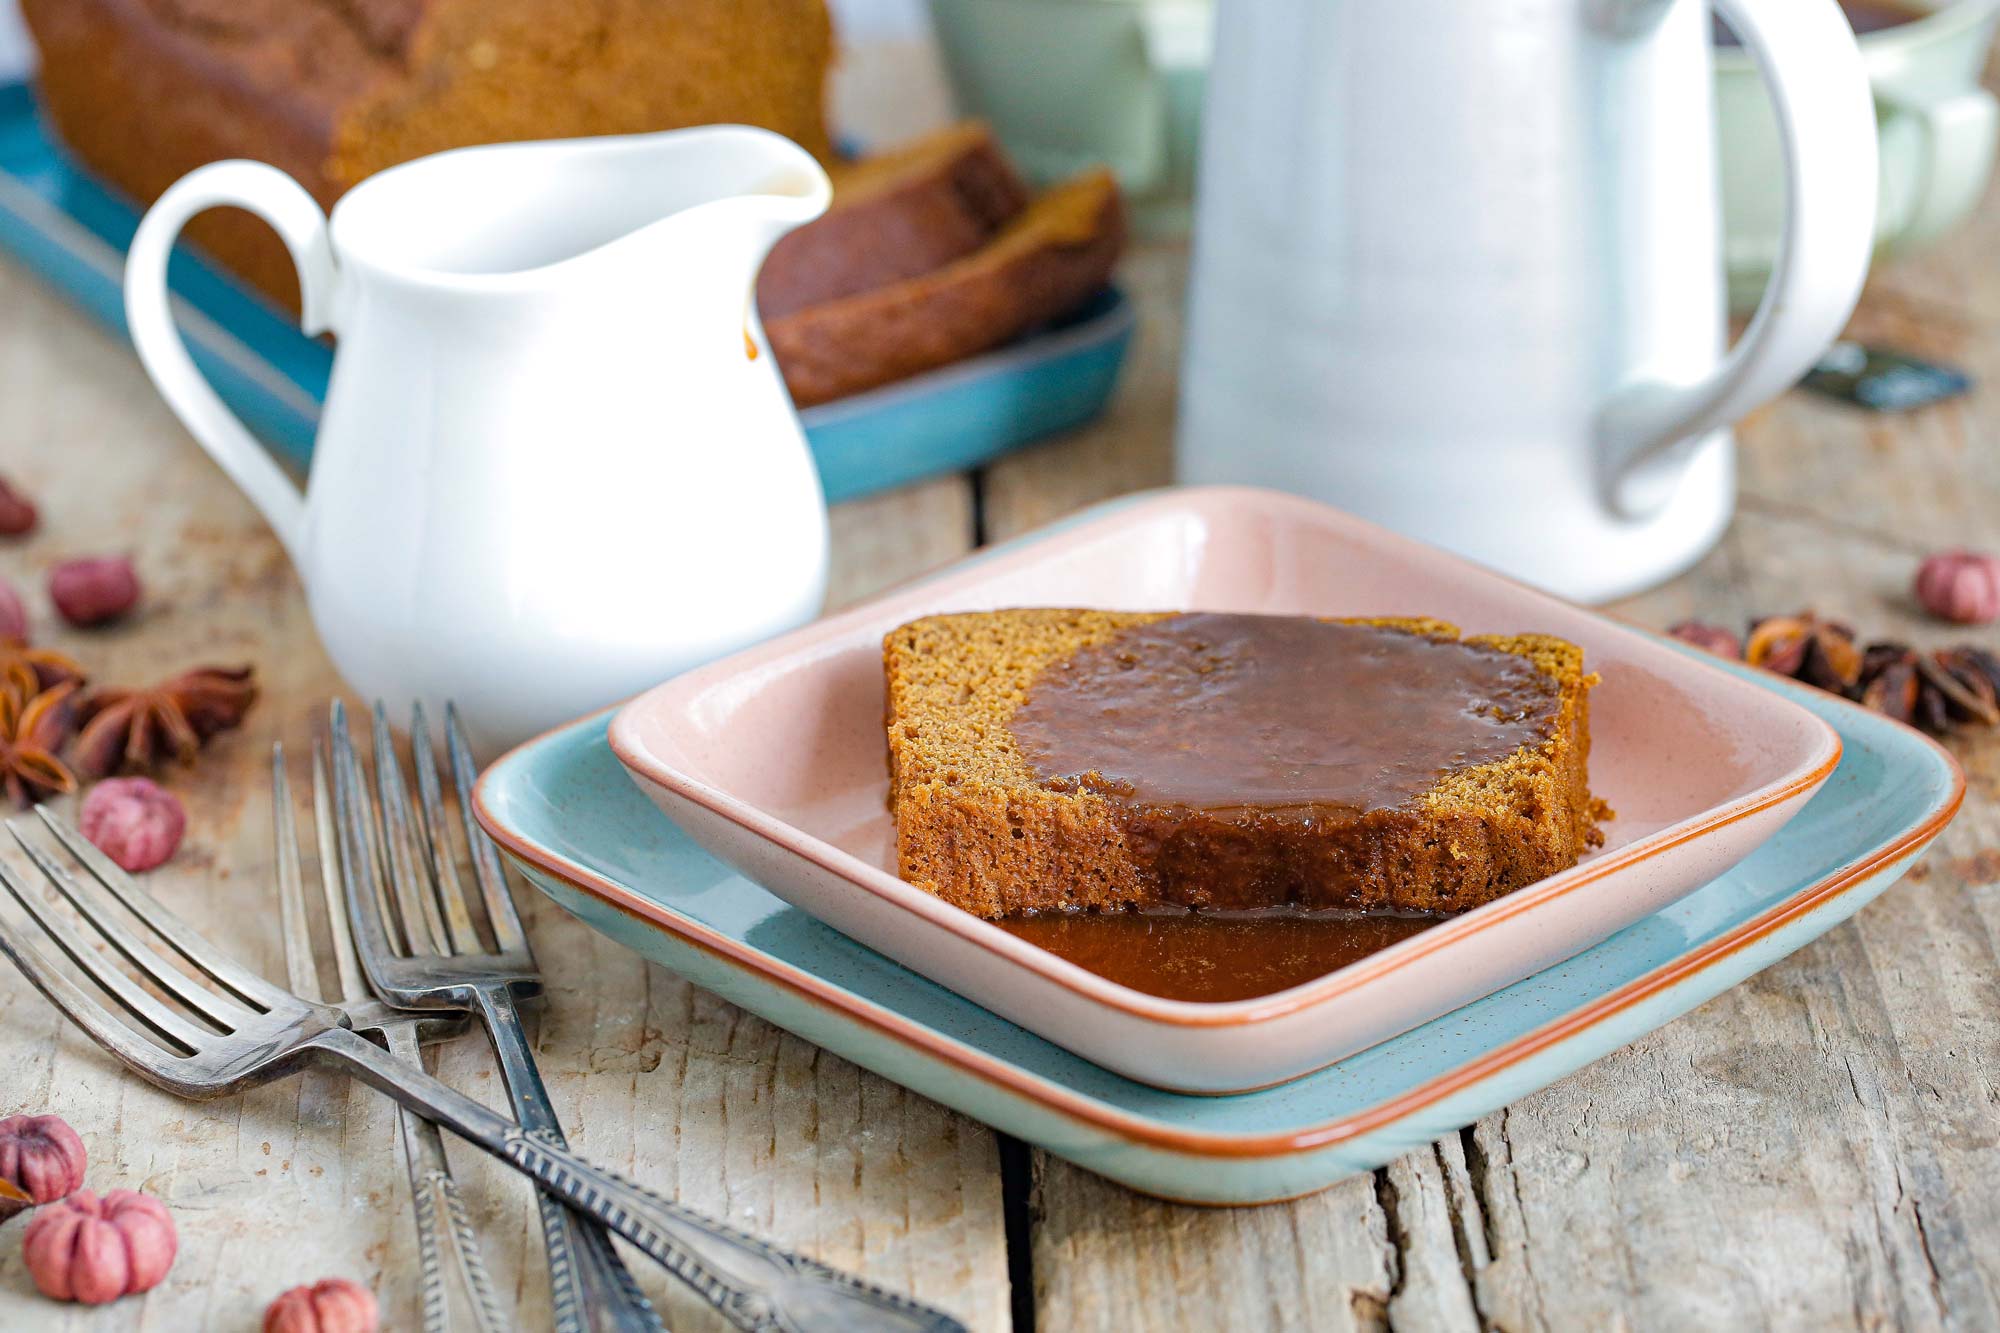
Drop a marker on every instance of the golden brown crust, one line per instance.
(975, 828)
(896, 215)
(1043, 264)
(490, 71)
(144, 91)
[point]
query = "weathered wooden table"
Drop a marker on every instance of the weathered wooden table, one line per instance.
(1819, 1148)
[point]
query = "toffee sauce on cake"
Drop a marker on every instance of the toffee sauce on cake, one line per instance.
(1276, 716)
(1203, 724)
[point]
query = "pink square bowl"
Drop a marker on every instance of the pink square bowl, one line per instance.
(774, 761)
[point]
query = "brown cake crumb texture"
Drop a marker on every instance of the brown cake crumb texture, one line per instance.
(1046, 261)
(976, 828)
(896, 215)
(331, 91)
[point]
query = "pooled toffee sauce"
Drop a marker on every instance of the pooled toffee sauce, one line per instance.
(1209, 957)
(1232, 745)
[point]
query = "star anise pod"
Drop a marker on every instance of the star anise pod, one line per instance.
(1936, 691)
(1808, 648)
(1969, 680)
(33, 727)
(1892, 685)
(134, 730)
(32, 670)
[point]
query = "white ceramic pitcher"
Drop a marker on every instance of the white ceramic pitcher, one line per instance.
(557, 463)
(1457, 270)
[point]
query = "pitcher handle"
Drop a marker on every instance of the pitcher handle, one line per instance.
(1812, 67)
(1958, 131)
(284, 203)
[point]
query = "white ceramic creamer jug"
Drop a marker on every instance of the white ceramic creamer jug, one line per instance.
(1457, 267)
(557, 462)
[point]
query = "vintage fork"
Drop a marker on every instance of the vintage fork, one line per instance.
(443, 965)
(432, 1189)
(231, 1030)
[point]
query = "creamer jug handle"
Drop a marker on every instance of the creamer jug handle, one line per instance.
(1826, 120)
(284, 203)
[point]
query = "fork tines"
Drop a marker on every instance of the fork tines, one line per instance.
(184, 1024)
(413, 875)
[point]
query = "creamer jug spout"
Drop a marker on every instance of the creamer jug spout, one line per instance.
(527, 214)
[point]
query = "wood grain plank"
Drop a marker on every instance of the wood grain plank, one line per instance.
(300, 1180)
(1107, 1258)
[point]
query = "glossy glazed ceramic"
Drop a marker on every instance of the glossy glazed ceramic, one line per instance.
(772, 760)
(1071, 85)
(566, 813)
(519, 429)
(1456, 268)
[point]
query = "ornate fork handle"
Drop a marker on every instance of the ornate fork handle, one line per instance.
(433, 1191)
(589, 1285)
(436, 1192)
(472, 1264)
(754, 1285)
(431, 1306)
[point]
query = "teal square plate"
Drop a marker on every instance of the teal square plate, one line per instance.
(570, 818)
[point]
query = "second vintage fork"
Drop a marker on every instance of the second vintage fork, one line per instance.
(414, 931)
(441, 1215)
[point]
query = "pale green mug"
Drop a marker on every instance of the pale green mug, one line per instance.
(1069, 84)
(1937, 128)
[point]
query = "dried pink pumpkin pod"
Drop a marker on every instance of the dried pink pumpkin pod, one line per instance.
(94, 590)
(42, 1156)
(330, 1305)
(18, 515)
(134, 821)
(96, 1250)
(1713, 638)
(1962, 586)
(13, 614)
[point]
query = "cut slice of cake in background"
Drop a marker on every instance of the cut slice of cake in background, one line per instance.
(898, 214)
(1050, 259)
